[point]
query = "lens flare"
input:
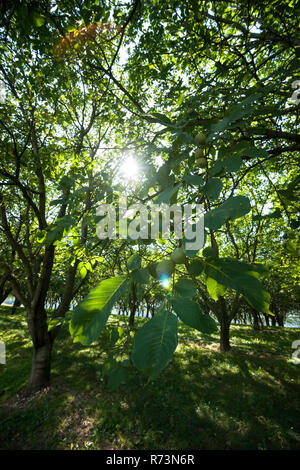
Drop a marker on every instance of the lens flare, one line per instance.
(88, 34)
(165, 281)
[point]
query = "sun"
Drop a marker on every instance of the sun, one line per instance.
(129, 170)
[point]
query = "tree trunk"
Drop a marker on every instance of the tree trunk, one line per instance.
(280, 320)
(131, 318)
(41, 367)
(224, 336)
(255, 321)
(16, 304)
(42, 346)
(132, 305)
(220, 310)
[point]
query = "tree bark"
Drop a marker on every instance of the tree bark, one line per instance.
(41, 367)
(4, 290)
(280, 320)
(16, 304)
(132, 316)
(132, 306)
(224, 336)
(220, 310)
(255, 320)
(42, 347)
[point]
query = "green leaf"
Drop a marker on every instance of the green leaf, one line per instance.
(38, 19)
(196, 267)
(273, 215)
(242, 277)
(134, 262)
(235, 113)
(54, 235)
(142, 276)
(151, 268)
(194, 180)
(217, 169)
(155, 343)
(55, 322)
(157, 117)
(295, 223)
(55, 202)
(166, 194)
(251, 151)
(186, 138)
(233, 208)
(189, 312)
(209, 251)
(185, 287)
(83, 272)
(233, 163)
(180, 99)
(67, 221)
(214, 289)
(229, 164)
(213, 188)
(91, 314)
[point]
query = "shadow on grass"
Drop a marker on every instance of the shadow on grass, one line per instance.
(203, 399)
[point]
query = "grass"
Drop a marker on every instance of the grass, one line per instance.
(204, 399)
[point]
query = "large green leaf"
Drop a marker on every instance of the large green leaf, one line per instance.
(251, 151)
(233, 208)
(189, 312)
(91, 314)
(217, 169)
(141, 276)
(232, 163)
(193, 180)
(167, 194)
(196, 267)
(213, 188)
(235, 113)
(134, 262)
(229, 164)
(185, 287)
(241, 277)
(155, 343)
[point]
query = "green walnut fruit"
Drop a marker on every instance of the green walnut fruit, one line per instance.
(201, 138)
(199, 153)
(165, 267)
(178, 256)
(201, 162)
(209, 251)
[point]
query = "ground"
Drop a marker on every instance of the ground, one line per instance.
(204, 399)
